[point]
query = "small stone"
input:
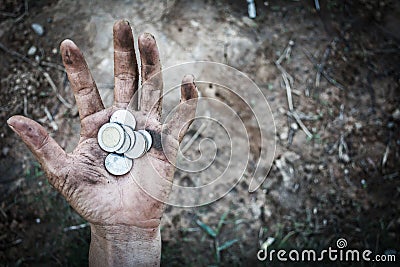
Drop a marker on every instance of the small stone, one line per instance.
(294, 126)
(249, 22)
(194, 23)
(32, 50)
(37, 28)
(309, 167)
(5, 150)
(284, 134)
(345, 158)
(396, 114)
(291, 156)
(282, 110)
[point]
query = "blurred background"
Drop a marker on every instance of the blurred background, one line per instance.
(336, 167)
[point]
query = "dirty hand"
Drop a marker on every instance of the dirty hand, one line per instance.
(124, 211)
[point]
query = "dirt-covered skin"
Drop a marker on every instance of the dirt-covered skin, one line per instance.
(137, 198)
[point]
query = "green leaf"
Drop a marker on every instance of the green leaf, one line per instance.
(285, 239)
(222, 220)
(227, 244)
(206, 228)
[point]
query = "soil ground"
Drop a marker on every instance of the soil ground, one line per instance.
(343, 182)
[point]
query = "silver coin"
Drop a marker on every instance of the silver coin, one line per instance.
(131, 134)
(118, 164)
(127, 143)
(148, 138)
(111, 137)
(124, 117)
(139, 148)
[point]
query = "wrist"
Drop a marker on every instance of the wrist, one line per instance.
(123, 245)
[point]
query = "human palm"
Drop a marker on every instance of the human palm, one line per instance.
(137, 198)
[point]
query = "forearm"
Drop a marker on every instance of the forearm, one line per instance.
(124, 246)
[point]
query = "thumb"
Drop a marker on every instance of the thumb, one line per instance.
(46, 150)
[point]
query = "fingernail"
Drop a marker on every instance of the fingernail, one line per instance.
(11, 121)
(147, 37)
(188, 78)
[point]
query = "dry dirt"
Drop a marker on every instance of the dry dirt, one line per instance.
(341, 183)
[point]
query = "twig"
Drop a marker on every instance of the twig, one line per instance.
(52, 65)
(286, 52)
(54, 87)
(25, 106)
(323, 72)
(385, 156)
(341, 112)
(317, 6)
(300, 123)
(391, 175)
(26, 9)
(343, 150)
(12, 244)
(285, 55)
(288, 92)
(371, 91)
(282, 69)
(286, 79)
(18, 55)
(3, 213)
(194, 137)
(76, 227)
(50, 117)
(8, 14)
(306, 117)
(321, 66)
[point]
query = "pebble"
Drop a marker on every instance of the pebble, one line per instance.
(282, 110)
(284, 134)
(32, 50)
(5, 151)
(38, 29)
(396, 114)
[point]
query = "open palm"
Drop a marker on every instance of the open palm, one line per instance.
(136, 198)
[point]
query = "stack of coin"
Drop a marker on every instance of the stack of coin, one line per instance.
(122, 141)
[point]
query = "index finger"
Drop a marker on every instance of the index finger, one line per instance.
(85, 90)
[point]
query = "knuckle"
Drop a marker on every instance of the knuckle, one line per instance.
(124, 76)
(87, 90)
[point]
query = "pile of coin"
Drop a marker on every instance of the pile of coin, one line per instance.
(122, 141)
